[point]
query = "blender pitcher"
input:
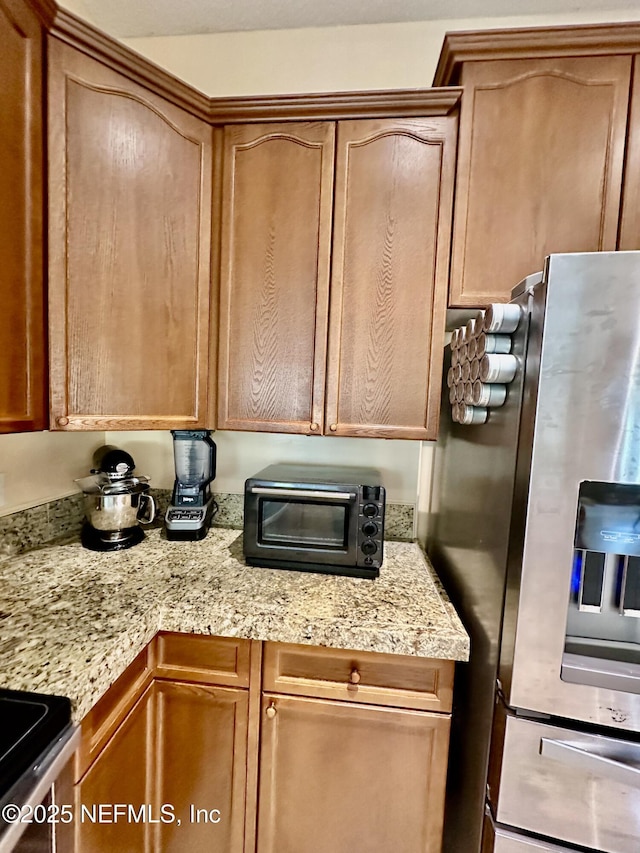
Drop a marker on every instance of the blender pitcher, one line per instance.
(192, 506)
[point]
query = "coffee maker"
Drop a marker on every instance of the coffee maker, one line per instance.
(116, 503)
(192, 506)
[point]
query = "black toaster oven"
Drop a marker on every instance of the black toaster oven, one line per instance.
(315, 518)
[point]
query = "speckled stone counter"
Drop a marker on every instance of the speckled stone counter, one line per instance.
(72, 620)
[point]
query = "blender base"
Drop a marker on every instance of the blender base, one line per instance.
(110, 540)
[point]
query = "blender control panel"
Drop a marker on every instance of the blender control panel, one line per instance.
(190, 514)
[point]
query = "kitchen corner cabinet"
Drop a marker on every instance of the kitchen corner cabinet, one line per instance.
(130, 200)
(353, 352)
(540, 167)
(23, 382)
(338, 775)
(297, 747)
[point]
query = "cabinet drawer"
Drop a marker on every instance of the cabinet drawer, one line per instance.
(203, 659)
(367, 677)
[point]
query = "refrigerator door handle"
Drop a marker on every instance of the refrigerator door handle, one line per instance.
(627, 772)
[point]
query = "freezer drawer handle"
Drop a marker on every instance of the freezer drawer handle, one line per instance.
(613, 768)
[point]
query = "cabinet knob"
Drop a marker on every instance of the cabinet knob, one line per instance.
(354, 678)
(62, 421)
(333, 427)
(314, 427)
(271, 711)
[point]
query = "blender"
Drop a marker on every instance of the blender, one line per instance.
(192, 506)
(115, 502)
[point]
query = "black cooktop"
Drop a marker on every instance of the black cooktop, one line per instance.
(29, 724)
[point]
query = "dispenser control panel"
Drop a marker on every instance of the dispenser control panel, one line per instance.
(602, 644)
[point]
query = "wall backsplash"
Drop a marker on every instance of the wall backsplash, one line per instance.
(37, 526)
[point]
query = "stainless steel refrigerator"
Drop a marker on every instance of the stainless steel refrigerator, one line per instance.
(536, 536)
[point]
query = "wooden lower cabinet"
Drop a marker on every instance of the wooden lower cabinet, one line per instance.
(200, 754)
(336, 777)
(120, 774)
(312, 745)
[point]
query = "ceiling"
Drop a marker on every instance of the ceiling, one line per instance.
(137, 18)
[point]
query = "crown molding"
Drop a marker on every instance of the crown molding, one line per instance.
(45, 10)
(335, 105)
(533, 42)
(79, 34)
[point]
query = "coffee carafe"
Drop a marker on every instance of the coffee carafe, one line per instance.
(192, 506)
(116, 503)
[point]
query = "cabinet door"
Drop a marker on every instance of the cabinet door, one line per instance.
(539, 168)
(630, 219)
(22, 323)
(129, 252)
(201, 756)
(276, 233)
(338, 778)
(394, 183)
(121, 774)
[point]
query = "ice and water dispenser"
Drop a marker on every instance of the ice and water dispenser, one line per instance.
(602, 645)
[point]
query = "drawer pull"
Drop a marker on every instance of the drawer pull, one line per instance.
(354, 678)
(271, 711)
(621, 767)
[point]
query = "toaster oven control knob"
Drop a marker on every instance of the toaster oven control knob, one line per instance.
(370, 510)
(369, 547)
(369, 528)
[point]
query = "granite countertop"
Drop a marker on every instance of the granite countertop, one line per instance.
(72, 620)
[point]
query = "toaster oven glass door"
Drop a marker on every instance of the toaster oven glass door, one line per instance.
(304, 524)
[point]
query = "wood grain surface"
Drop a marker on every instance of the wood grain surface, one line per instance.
(338, 778)
(394, 183)
(539, 168)
(121, 774)
(629, 238)
(201, 761)
(129, 266)
(276, 227)
(23, 385)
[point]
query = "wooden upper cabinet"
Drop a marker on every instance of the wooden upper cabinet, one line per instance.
(130, 199)
(630, 218)
(22, 320)
(393, 194)
(276, 232)
(539, 169)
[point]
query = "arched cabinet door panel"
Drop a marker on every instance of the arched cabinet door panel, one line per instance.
(539, 168)
(275, 254)
(22, 317)
(130, 186)
(392, 221)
